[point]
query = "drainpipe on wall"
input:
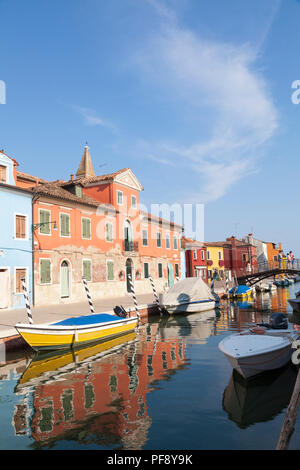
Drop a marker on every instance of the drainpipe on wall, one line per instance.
(34, 199)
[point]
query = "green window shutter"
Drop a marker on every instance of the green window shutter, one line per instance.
(65, 225)
(167, 241)
(86, 228)
(146, 270)
(160, 270)
(45, 274)
(175, 243)
(109, 237)
(110, 270)
(87, 269)
(44, 222)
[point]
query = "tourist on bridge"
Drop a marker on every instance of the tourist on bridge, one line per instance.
(292, 259)
(288, 258)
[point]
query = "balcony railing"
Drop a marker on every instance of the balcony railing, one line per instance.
(130, 246)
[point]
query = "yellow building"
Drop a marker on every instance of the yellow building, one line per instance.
(215, 259)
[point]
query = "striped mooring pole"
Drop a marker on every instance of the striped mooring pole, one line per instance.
(213, 281)
(155, 295)
(227, 282)
(27, 302)
(88, 295)
(133, 296)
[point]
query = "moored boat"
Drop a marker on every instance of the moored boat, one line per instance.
(75, 331)
(241, 292)
(189, 295)
(261, 348)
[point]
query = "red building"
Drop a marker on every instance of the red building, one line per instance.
(239, 256)
(195, 258)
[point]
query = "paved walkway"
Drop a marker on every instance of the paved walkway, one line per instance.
(52, 313)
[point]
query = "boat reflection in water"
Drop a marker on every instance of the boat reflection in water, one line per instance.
(260, 399)
(97, 395)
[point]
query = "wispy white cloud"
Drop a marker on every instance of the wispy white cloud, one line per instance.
(160, 160)
(91, 118)
(219, 79)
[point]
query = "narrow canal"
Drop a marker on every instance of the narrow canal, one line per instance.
(165, 387)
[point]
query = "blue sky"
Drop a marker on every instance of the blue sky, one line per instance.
(193, 96)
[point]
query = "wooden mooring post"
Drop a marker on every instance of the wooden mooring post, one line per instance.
(290, 419)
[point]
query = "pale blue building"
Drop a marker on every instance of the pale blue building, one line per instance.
(15, 237)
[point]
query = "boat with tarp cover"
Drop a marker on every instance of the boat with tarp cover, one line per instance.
(75, 331)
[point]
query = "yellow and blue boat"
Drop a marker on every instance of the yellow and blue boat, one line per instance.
(241, 292)
(75, 331)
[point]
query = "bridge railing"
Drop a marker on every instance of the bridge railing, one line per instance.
(267, 266)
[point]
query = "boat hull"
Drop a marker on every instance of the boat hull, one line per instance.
(251, 354)
(252, 366)
(191, 307)
(51, 337)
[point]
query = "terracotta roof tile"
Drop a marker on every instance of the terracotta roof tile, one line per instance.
(55, 190)
(28, 177)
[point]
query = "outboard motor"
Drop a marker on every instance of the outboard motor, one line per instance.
(120, 311)
(278, 321)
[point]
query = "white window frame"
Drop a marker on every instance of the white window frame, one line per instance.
(7, 172)
(15, 278)
(45, 283)
(144, 230)
(60, 225)
(157, 246)
(175, 238)
(202, 255)
(119, 192)
(90, 261)
(26, 227)
(194, 254)
(168, 238)
(134, 206)
(46, 234)
(87, 218)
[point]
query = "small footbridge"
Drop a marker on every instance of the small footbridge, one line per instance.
(267, 270)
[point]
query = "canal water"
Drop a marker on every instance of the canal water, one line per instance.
(165, 387)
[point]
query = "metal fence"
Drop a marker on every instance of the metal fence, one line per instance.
(267, 266)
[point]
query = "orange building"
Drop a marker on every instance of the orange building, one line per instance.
(91, 226)
(272, 252)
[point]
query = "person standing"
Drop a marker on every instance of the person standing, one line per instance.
(292, 259)
(288, 258)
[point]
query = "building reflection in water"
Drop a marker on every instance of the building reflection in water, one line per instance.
(97, 395)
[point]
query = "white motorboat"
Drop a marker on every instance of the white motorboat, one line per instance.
(189, 295)
(261, 348)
